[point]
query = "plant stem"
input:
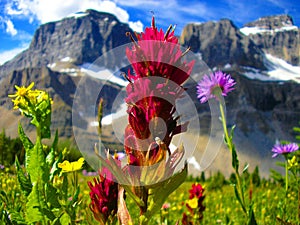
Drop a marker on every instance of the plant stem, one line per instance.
(231, 148)
(286, 176)
(227, 139)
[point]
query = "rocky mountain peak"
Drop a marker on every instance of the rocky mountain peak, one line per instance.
(220, 43)
(272, 22)
(276, 35)
(81, 38)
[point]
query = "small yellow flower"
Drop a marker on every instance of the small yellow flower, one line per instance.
(67, 166)
(292, 163)
(19, 102)
(22, 91)
(193, 203)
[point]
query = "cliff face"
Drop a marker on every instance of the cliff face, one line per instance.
(276, 35)
(220, 43)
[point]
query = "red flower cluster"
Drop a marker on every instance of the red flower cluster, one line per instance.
(104, 196)
(196, 191)
(158, 54)
(159, 72)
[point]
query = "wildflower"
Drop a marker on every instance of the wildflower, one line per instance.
(158, 54)
(30, 102)
(292, 162)
(284, 149)
(67, 166)
(104, 197)
(166, 205)
(215, 84)
(193, 203)
(21, 91)
(196, 191)
(156, 59)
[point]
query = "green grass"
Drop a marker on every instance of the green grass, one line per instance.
(221, 205)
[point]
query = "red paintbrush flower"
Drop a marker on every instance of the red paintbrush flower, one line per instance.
(159, 72)
(156, 53)
(196, 191)
(104, 196)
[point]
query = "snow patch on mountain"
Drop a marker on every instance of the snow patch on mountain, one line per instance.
(277, 70)
(122, 112)
(280, 69)
(103, 74)
(259, 30)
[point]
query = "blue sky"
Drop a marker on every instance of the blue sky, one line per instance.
(20, 18)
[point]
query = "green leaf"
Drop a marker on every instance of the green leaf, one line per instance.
(15, 217)
(246, 167)
(36, 165)
(65, 219)
(34, 206)
(162, 190)
(25, 140)
(235, 160)
(65, 187)
(238, 197)
(52, 196)
(50, 215)
(24, 181)
(55, 141)
(232, 131)
(43, 110)
(54, 169)
(4, 197)
(51, 155)
(251, 219)
(75, 197)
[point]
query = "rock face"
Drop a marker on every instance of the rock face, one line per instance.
(276, 35)
(272, 22)
(220, 43)
(81, 39)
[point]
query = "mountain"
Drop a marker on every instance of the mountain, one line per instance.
(276, 35)
(221, 43)
(59, 54)
(80, 38)
(265, 105)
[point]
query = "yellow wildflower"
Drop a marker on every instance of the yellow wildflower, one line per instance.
(21, 91)
(67, 166)
(19, 102)
(193, 203)
(292, 163)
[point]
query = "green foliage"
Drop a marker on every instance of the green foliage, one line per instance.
(45, 200)
(10, 148)
(217, 181)
(255, 177)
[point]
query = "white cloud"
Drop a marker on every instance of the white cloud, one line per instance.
(9, 54)
(136, 26)
(46, 11)
(10, 29)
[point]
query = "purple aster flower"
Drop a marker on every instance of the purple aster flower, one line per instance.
(284, 149)
(208, 87)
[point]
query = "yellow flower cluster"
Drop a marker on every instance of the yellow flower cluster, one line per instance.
(193, 203)
(67, 166)
(292, 162)
(26, 98)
